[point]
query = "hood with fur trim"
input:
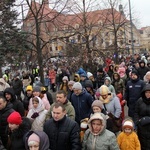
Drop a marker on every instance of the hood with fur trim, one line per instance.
(97, 116)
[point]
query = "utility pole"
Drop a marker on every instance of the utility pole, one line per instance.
(131, 29)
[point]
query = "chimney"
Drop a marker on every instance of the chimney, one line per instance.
(46, 3)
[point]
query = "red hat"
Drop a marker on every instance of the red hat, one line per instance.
(14, 118)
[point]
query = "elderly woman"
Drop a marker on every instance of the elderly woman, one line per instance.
(97, 137)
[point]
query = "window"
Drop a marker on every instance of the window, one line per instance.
(76, 26)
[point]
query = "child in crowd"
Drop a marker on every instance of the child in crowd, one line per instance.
(37, 114)
(37, 140)
(128, 139)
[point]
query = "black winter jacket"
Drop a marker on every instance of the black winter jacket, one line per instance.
(63, 134)
(17, 136)
(17, 105)
(133, 93)
(4, 113)
(142, 119)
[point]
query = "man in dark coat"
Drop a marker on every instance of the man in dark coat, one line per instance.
(133, 91)
(5, 110)
(17, 105)
(142, 118)
(81, 101)
(62, 131)
(17, 86)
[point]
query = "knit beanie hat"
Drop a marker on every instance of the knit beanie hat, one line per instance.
(71, 82)
(128, 124)
(65, 78)
(14, 118)
(97, 103)
(37, 89)
(88, 83)
(135, 72)
(104, 90)
(33, 137)
(77, 85)
(29, 88)
(89, 74)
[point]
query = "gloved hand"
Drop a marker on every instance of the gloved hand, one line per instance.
(34, 115)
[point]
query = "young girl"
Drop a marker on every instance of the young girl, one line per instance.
(128, 139)
(37, 114)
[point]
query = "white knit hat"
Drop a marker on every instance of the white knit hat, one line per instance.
(65, 78)
(128, 124)
(89, 74)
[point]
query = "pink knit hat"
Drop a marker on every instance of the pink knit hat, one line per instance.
(34, 137)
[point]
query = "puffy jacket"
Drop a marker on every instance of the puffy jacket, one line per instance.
(82, 105)
(63, 134)
(103, 140)
(132, 94)
(16, 137)
(4, 113)
(142, 116)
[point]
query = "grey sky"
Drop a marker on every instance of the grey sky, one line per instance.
(142, 11)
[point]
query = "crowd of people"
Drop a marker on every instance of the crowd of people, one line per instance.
(88, 111)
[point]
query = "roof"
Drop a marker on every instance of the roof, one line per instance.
(60, 20)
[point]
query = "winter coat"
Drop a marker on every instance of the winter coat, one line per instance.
(128, 142)
(142, 70)
(118, 84)
(4, 113)
(3, 84)
(16, 137)
(17, 86)
(103, 140)
(142, 119)
(26, 101)
(110, 87)
(63, 134)
(100, 79)
(132, 94)
(44, 141)
(70, 112)
(113, 106)
(17, 105)
(38, 122)
(52, 76)
(1, 145)
(82, 105)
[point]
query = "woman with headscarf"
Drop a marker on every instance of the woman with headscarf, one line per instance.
(37, 114)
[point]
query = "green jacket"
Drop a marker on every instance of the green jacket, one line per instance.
(70, 112)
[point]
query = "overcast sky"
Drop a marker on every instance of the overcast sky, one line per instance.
(142, 11)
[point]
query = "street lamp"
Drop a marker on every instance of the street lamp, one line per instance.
(131, 29)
